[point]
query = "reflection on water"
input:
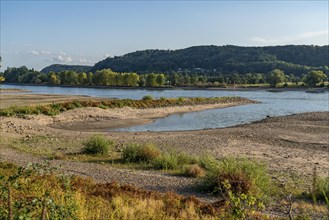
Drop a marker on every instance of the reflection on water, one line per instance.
(272, 104)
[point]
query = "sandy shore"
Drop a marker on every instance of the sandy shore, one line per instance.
(8, 99)
(290, 145)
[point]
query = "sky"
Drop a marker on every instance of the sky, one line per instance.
(40, 33)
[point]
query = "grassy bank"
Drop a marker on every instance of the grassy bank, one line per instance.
(146, 102)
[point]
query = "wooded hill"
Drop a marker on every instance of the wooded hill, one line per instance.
(212, 60)
(61, 67)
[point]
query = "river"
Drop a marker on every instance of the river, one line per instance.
(271, 104)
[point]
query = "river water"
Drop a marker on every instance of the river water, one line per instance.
(271, 104)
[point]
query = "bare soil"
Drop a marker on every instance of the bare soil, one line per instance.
(290, 145)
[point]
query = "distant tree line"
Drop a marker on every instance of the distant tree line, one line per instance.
(107, 77)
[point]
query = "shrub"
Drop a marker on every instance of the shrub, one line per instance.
(193, 170)
(184, 158)
(208, 162)
(163, 98)
(321, 189)
(166, 162)
(148, 97)
(243, 175)
(98, 144)
(140, 153)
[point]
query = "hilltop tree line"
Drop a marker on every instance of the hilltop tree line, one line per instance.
(107, 77)
(213, 60)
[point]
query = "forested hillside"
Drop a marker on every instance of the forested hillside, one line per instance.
(212, 60)
(194, 66)
(61, 67)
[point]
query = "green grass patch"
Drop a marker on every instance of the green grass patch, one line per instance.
(98, 144)
(140, 153)
(57, 108)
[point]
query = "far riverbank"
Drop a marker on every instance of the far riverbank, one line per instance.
(228, 88)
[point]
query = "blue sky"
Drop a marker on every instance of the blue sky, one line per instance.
(39, 33)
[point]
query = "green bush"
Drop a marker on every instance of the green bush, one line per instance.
(98, 144)
(140, 153)
(184, 158)
(208, 162)
(148, 97)
(243, 175)
(166, 162)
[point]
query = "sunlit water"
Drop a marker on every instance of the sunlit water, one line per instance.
(272, 104)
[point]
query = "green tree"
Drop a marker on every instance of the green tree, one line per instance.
(82, 78)
(160, 79)
(142, 80)
(151, 80)
(101, 77)
(53, 79)
(314, 77)
(194, 80)
(2, 79)
(72, 77)
(119, 79)
(90, 76)
(175, 79)
(132, 79)
(275, 77)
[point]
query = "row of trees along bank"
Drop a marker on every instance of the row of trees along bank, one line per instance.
(107, 77)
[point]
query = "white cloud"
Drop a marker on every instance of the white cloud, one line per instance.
(82, 60)
(45, 52)
(69, 60)
(314, 34)
(62, 59)
(290, 39)
(62, 53)
(259, 40)
(42, 52)
(34, 52)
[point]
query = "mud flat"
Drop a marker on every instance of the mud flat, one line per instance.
(290, 145)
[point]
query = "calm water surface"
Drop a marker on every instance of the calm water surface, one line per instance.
(272, 104)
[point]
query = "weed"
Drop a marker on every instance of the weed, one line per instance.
(98, 144)
(167, 161)
(140, 153)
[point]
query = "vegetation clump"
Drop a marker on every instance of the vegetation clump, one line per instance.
(140, 153)
(194, 170)
(98, 144)
(146, 102)
(320, 190)
(148, 97)
(167, 161)
(36, 192)
(243, 175)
